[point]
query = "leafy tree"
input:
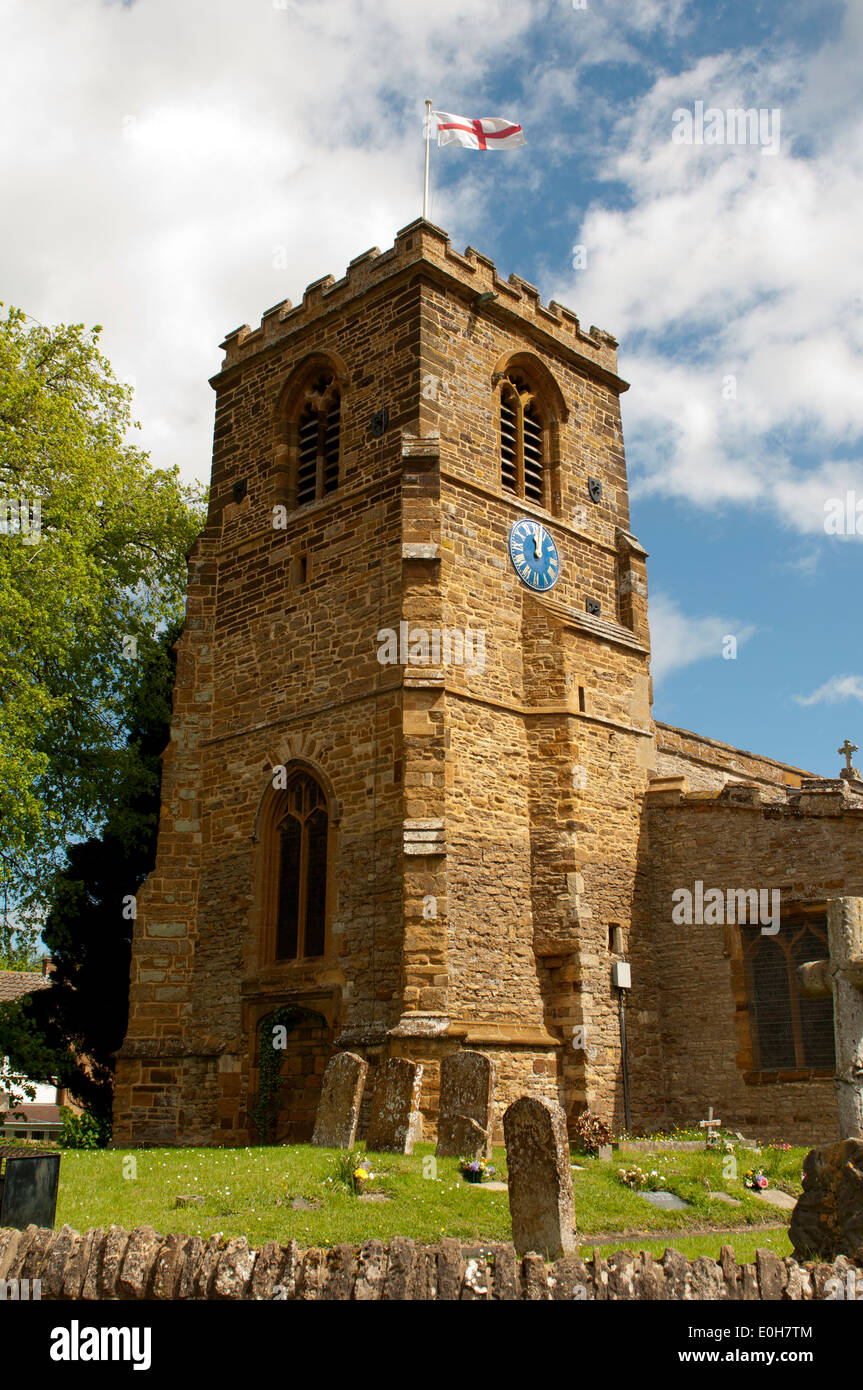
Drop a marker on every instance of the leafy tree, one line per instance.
(92, 567)
(68, 1033)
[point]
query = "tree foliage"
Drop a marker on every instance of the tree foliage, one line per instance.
(69, 1032)
(92, 568)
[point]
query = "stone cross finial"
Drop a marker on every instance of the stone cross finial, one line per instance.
(849, 770)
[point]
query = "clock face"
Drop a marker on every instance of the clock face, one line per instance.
(534, 555)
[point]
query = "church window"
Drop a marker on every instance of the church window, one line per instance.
(788, 1031)
(522, 441)
(302, 870)
(318, 433)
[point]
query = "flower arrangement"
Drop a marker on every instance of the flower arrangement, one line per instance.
(352, 1170)
(475, 1169)
(755, 1180)
(639, 1180)
(590, 1132)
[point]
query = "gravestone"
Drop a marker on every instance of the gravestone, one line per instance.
(828, 1218)
(464, 1128)
(842, 976)
(393, 1122)
(540, 1182)
(28, 1187)
(339, 1105)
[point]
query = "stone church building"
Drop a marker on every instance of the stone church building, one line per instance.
(415, 798)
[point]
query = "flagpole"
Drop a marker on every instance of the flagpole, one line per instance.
(426, 171)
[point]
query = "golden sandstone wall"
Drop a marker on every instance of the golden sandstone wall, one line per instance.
(492, 851)
(518, 776)
(693, 1045)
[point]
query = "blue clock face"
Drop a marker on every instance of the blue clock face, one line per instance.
(534, 555)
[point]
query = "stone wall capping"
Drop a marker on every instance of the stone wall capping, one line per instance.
(279, 311)
(370, 255)
(666, 734)
(626, 538)
(742, 793)
(667, 784)
(507, 1033)
(421, 1024)
(600, 627)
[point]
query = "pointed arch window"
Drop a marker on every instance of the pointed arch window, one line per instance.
(523, 446)
(301, 838)
(318, 440)
(789, 1032)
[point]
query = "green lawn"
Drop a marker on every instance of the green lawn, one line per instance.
(248, 1192)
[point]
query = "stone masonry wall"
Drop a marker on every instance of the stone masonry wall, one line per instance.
(521, 780)
(117, 1265)
(687, 1015)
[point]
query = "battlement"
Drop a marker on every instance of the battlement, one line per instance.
(423, 243)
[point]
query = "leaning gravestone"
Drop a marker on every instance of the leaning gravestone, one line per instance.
(339, 1105)
(464, 1128)
(393, 1123)
(540, 1181)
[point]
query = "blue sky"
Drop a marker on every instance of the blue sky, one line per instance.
(171, 170)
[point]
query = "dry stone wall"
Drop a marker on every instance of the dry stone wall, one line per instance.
(119, 1265)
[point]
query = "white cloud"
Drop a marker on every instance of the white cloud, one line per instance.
(155, 153)
(835, 690)
(727, 263)
(677, 640)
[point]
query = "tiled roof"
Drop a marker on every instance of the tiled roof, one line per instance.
(14, 984)
(34, 1115)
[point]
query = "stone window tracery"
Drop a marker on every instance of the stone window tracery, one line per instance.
(301, 865)
(788, 1031)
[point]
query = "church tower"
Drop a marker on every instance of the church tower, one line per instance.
(401, 804)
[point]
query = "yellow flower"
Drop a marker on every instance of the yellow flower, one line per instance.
(360, 1173)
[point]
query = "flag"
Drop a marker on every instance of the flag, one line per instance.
(487, 133)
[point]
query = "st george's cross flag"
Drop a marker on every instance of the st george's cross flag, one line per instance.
(487, 133)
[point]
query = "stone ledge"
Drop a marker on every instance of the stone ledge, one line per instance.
(116, 1265)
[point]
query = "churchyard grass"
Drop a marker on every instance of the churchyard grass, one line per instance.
(249, 1192)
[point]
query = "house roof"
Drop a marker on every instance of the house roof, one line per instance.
(33, 1115)
(14, 984)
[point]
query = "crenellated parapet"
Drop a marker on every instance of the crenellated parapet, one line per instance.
(422, 243)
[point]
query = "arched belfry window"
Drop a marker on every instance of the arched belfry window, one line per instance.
(318, 430)
(301, 859)
(523, 445)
